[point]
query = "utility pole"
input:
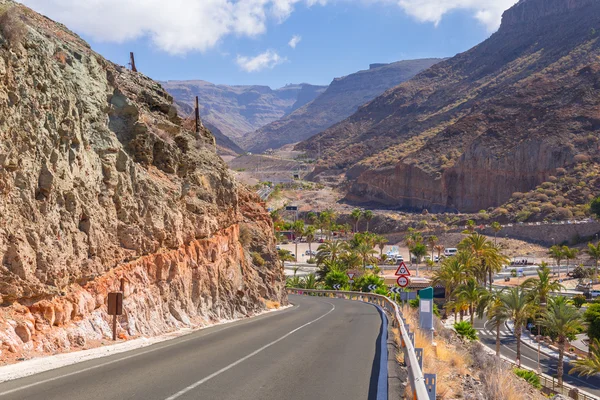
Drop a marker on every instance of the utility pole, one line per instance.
(197, 114)
(132, 62)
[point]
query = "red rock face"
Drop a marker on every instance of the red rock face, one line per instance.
(99, 182)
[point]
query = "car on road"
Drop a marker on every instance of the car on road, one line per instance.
(451, 251)
(309, 253)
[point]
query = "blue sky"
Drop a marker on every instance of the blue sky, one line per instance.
(338, 37)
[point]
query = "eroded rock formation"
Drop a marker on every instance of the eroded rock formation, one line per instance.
(99, 183)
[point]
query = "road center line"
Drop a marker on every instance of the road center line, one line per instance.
(241, 360)
(153, 349)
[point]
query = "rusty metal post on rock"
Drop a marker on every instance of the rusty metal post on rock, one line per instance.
(115, 307)
(197, 114)
(132, 62)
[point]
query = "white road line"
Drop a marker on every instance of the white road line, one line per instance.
(241, 360)
(124, 358)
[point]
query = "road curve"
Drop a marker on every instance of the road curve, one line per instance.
(319, 349)
(508, 346)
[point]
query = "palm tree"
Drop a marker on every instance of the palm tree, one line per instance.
(594, 253)
(517, 306)
(411, 239)
(591, 365)
(368, 215)
(419, 250)
(298, 229)
(310, 233)
(470, 293)
(570, 254)
(439, 248)
(326, 267)
(312, 218)
(329, 251)
(471, 226)
(366, 251)
(380, 241)
(432, 242)
(541, 287)
(285, 255)
(496, 227)
(451, 274)
(556, 253)
(564, 320)
(310, 282)
(488, 258)
(356, 215)
(350, 259)
(490, 305)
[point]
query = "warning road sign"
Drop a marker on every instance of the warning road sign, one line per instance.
(402, 270)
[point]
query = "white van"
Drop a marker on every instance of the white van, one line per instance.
(450, 252)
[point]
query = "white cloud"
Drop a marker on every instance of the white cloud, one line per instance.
(181, 26)
(268, 59)
(294, 41)
(488, 12)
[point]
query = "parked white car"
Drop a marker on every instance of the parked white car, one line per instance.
(451, 251)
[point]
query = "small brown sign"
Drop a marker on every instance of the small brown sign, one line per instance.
(115, 303)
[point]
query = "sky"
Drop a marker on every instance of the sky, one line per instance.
(273, 42)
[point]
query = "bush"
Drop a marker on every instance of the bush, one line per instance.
(245, 235)
(11, 26)
(530, 376)
(465, 330)
(581, 272)
(523, 215)
(336, 277)
(595, 207)
(579, 300)
(364, 281)
(592, 318)
(311, 260)
(257, 259)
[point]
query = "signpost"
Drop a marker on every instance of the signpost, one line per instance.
(351, 277)
(426, 310)
(115, 307)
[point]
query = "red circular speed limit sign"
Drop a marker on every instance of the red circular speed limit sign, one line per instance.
(402, 281)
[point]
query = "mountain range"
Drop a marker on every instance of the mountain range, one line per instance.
(238, 110)
(341, 99)
(515, 114)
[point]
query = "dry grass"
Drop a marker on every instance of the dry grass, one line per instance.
(272, 305)
(12, 27)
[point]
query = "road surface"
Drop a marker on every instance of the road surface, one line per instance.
(319, 349)
(508, 348)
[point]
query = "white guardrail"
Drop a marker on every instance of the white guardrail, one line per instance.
(415, 374)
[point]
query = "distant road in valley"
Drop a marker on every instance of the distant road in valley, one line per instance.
(319, 349)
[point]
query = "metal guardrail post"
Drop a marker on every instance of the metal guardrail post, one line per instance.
(431, 385)
(419, 353)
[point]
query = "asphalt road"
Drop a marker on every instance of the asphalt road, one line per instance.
(529, 357)
(319, 349)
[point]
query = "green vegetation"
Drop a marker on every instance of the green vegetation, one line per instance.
(530, 376)
(465, 330)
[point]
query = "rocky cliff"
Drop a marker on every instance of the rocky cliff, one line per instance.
(341, 99)
(472, 130)
(100, 184)
(238, 110)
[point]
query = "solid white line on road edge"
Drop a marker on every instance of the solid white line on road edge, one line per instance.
(174, 343)
(241, 360)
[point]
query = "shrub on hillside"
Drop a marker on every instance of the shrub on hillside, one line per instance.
(257, 259)
(465, 330)
(11, 26)
(530, 376)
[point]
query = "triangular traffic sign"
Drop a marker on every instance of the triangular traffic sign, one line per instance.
(351, 275)
(402, 270)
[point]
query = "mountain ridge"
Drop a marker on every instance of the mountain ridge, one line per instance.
(343, 97)
(470, 131)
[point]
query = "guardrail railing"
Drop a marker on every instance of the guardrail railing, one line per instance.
(419, 388)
